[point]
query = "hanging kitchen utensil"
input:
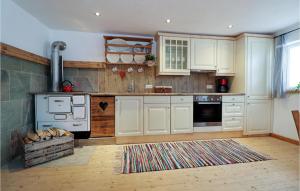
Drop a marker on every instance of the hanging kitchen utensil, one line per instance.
(67, 86)
(122, 74)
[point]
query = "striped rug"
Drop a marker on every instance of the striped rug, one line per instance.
(177, 155)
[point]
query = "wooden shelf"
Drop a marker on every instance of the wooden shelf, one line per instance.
(128, 64)
(84, 64)
(130, 46)
(127, 38)
(121, 63)
(133, 53)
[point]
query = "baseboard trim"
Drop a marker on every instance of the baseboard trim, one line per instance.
(282, 138)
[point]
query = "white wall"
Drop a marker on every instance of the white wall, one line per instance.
(81, 46)
(20, 29)
(283, 123)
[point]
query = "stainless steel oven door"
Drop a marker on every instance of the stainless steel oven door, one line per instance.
(207, 114)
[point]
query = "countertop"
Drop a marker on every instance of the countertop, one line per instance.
(137, 94)
(160, 94)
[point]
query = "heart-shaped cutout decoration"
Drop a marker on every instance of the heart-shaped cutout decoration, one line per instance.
(103, 105)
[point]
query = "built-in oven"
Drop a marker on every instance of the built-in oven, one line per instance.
(207, 111)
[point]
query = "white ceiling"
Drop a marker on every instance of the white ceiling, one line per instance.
(148, 16)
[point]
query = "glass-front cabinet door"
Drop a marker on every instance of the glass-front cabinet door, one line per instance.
(175, 56)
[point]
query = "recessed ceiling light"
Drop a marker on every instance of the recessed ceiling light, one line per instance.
(230, 26)
(97, 14)
(168, 21)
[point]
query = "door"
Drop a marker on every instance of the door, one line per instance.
(129, 115)
(225, 57)
(258, 116)
(203, 54)
(259, 67)
(156, 119)
(175, 57)
(181, 118)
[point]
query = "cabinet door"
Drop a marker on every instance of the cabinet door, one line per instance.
(258, 116)
(156, 119)
(129, 115)
(175, 56)
(102, 116)
(259, 65)
(182, 118)
(203, 54)
(225, 57)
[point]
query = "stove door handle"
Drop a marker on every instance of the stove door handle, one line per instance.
(209, 103)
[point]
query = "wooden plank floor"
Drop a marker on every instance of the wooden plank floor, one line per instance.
(99, 173)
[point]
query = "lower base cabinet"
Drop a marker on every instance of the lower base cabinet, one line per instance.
(102, 116)
(181, 118)
(153, 115)
(258, 116)
(156, 119)
(129, 115)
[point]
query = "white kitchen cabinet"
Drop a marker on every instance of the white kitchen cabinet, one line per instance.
(253, 76)
(259, 67)
(233, 112)
(181, 114)
(174, 55)
(129, 115)
(258, 116)
(181, 118)
(225, 58)
(203, 54)
(156, 119)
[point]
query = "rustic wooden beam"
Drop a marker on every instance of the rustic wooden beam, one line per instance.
(25, 55)
(22, 54)
(84, 64)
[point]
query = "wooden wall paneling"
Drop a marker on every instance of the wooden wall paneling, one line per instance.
(101, 80)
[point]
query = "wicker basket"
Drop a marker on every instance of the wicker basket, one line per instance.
(163, 89)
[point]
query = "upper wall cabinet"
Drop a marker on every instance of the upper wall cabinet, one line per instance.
(203, 54)
(225, 58)
(174, 55)
(178, 54)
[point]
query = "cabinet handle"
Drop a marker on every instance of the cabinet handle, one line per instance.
(47, 125)
(76, 124)
(58, 101)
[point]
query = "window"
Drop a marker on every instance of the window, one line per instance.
(293, 58)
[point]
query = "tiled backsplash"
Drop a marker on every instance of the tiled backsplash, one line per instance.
(18, 79)
(104, 80)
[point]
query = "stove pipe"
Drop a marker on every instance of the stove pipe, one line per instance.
(57, 66)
